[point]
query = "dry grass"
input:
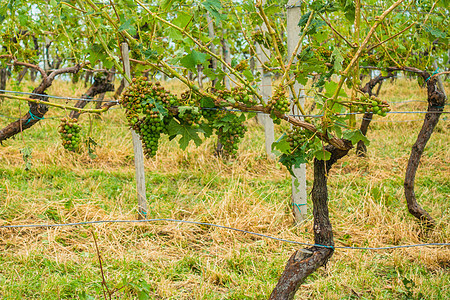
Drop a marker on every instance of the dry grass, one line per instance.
(182, 261)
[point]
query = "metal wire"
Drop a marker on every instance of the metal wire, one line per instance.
(59, 97)
(218, 226)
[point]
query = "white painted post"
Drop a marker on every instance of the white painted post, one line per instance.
(266, 93)
(137, 148)
(299, 180)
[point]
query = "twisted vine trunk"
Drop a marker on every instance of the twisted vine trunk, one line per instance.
(436, 101)
(36, 111)
(102, 84)
(305, 261)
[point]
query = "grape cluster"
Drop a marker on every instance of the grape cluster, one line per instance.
(189, 115)
(70, 134)
(323, 53)
(150, 129)
(241, 95)
(231, 137)
(280, 101)
(297, 137)
(241, 66)
(237, 95)
(266, 40)
(144, 102)
(258, 37)
(188, 109)
(372, 104)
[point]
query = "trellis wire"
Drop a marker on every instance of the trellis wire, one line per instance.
(221, 227)
(58, 97)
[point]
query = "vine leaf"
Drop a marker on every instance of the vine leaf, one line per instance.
(355, 136)
(338, 59)
(214, 7)
(281, 146)
(322, 154)
(128, 26)
(158, 107)
(26, 155)
(187, 133)
(193, 59)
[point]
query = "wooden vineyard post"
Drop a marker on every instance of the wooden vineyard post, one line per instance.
(299, 180)
(137, 148)
(266, 93)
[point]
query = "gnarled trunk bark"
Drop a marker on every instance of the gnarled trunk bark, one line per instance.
(436, 102)
(36, 111)
(102, 84)
(304, 262)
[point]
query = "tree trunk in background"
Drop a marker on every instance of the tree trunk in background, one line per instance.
(436, 102)
(102, 84)
(3, 79)
(33, 75)
(21, 75)
(110, 78)
(88, 77)
(304, 262)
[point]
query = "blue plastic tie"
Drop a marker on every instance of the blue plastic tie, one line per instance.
(434, 73)
(298, 205)
(33, 117)
(324, 246)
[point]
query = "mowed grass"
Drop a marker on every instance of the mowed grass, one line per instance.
(165, 260)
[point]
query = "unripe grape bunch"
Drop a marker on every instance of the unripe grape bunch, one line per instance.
(188, 109)
(298, 138)
(144, 102)
(241, 95)
(279, 102)
(69, 130)
(232, 136)
(373, 104)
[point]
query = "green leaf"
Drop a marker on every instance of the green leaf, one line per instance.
(159, 108)
(207, 102)
(248, 75)
(434, 32)
(281, 146)
(193, 59)
(142, 295)
(182, 19)
(338, 59)
(207, 130)
(355, 136)
(214, 7)
(349, 9)
(187, 133)
(128, 26)
(166, 4)
(322, 154)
